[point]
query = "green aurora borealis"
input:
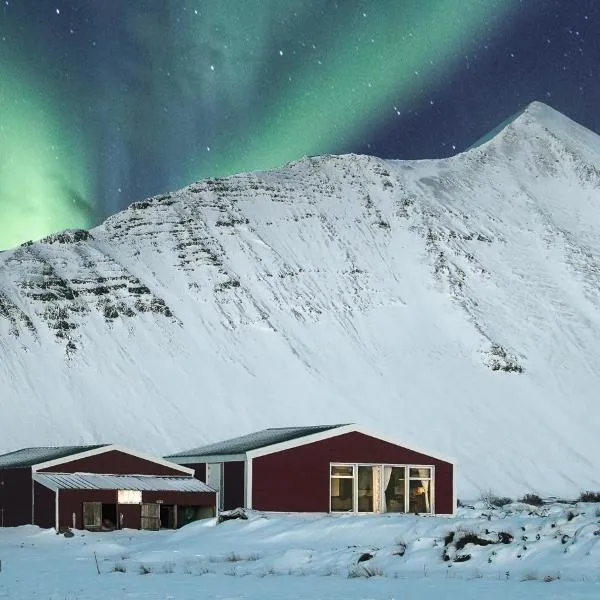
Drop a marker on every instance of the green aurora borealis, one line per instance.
(97, 113)
(43, 179)
(396, 61)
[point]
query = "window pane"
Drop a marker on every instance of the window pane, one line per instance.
(420, 472)
(393, 485)
(419, 496)
(129, 497)
(366, 486)
(342, 494)
(343, 471)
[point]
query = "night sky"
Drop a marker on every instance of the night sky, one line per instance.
(104, 102)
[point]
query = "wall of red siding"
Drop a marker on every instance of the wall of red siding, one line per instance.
(199, 471)
(71, 501)
(182, 498)
(15, 496)
(233, 484)
(132, 516)
(44, 513)
(115, 463)
(444, 488)
(297, 480)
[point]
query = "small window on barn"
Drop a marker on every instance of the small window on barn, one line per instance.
(129, 497)
(342, 488)
(419, 490)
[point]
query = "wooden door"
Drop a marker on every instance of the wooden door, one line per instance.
(150, 516)
(92, 515)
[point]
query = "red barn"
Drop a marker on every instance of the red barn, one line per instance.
(324, 468)
(99, 487)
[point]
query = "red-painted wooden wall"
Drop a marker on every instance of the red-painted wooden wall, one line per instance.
(44, 503)
(297, 480)
(233, 484)
(71, 502)
(15, 496)
(233, 481)
(199, 471)
(114, 463)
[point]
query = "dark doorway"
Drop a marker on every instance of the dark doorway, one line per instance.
(189, 514)
(109, 517)
(168, 516)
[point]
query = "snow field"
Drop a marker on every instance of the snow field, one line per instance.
(547, 552)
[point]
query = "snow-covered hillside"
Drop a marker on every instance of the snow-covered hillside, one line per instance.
(453, 304)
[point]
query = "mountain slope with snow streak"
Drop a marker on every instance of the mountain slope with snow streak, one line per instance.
(452, 304)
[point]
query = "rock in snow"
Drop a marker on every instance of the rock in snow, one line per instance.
(452, 304)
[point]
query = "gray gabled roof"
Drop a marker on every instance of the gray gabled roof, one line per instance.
(27, 457)
(93, 481)
(253, 441)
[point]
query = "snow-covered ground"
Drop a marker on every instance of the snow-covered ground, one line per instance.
(547, 552)
(451, 304)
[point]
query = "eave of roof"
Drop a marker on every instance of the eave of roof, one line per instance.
(241, 445)
(46, 457)
(329, 432)
(94, 481)
(27, 457)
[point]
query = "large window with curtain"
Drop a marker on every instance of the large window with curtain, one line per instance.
(394, 485)
(367, 488)
(419, 490)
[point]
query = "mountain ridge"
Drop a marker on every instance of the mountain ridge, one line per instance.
(448, 303)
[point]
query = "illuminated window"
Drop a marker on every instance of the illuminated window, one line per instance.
(381, 488)
(342, 488)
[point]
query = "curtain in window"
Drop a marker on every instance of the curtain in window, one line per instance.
(426, 483)
(377, 488)
(387, 474)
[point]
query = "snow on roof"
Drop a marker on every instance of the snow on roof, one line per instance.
(93, 481)
(253, 441)
(26, 457)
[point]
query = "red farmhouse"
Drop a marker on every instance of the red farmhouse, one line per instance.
(326, 468)
(99, 487)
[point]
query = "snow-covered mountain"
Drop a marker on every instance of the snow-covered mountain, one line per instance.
(453, 304)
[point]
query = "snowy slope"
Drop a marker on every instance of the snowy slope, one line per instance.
(452, 304)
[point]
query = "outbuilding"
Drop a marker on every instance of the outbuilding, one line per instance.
(324, 468)
(99, 487)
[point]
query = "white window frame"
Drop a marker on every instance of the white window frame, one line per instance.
(407, 479)
(354, 478)
(129, 496)
(431, 480)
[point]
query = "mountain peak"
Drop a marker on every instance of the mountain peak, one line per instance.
(545, 128)
(350, 288)
(546, 116)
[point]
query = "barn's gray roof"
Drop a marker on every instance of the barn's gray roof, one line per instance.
(27, 457)
(92, 481)
(253, 441)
